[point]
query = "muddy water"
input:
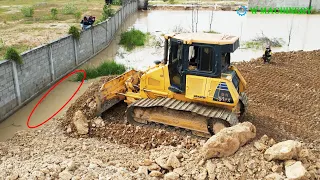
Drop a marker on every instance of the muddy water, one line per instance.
(303, 34)
(304, 37)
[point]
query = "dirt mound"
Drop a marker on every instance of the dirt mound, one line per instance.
(82, 102)
(116, 130)
(284, 96)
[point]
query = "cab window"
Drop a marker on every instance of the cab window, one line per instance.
(206, 58)
(201, 58)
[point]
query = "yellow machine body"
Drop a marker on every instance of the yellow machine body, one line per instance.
(155, 82)
(223, 92)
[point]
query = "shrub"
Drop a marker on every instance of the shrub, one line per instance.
(132, 38)
(171, 2)
(54, 13)
(27, 11)
(70, 9)
(104, 69)
(13, 55)
(314, 11)
(107, 12)
(75, 32)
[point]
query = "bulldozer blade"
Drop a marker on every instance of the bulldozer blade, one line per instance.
(102, 106)
(108, 94)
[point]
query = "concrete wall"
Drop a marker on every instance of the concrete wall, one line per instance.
(45, 65)
(8, 98)
(315, 4)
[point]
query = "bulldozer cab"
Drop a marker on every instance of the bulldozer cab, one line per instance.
(200, 54)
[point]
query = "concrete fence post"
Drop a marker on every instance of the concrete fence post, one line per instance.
(119, 18)
(51, 63)
(16, 82)
(107, 31)
(75, 51)
(115, 25)
(111, 27)
(91, 30)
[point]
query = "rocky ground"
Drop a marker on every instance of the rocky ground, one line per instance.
(283, 105)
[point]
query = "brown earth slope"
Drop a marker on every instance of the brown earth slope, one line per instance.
(284, 96)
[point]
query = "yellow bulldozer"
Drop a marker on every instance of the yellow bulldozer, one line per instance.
(194, 87)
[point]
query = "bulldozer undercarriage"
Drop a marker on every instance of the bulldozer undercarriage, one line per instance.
(202, 120)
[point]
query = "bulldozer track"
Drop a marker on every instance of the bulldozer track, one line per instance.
(244, 99)
(203, 110)
(210, 112)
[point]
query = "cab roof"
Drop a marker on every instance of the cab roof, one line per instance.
(205, 38)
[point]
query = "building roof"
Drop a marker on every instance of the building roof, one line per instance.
(206, 38)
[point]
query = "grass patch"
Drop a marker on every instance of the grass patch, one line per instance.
(104, 69)
(13, 55)
(133, 38)
(77, 16)
(179, 29)
(261, 41)
(314, 11)
(117, 2)
(75, 32)
(107, 12)
(69, 8)
(172, 2)
(212, 31)
(2, 10)
(54, 13)
(19, 47)
(27, 11)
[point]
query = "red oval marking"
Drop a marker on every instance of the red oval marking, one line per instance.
(76, 71)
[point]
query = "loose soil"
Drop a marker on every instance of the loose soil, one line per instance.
(284, 96)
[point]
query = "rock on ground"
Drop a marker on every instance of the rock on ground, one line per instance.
(80, 122)
(171, 176)
(285, 150)
(296, 171)
(274, 176)
(229, 140)
(173, 161)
